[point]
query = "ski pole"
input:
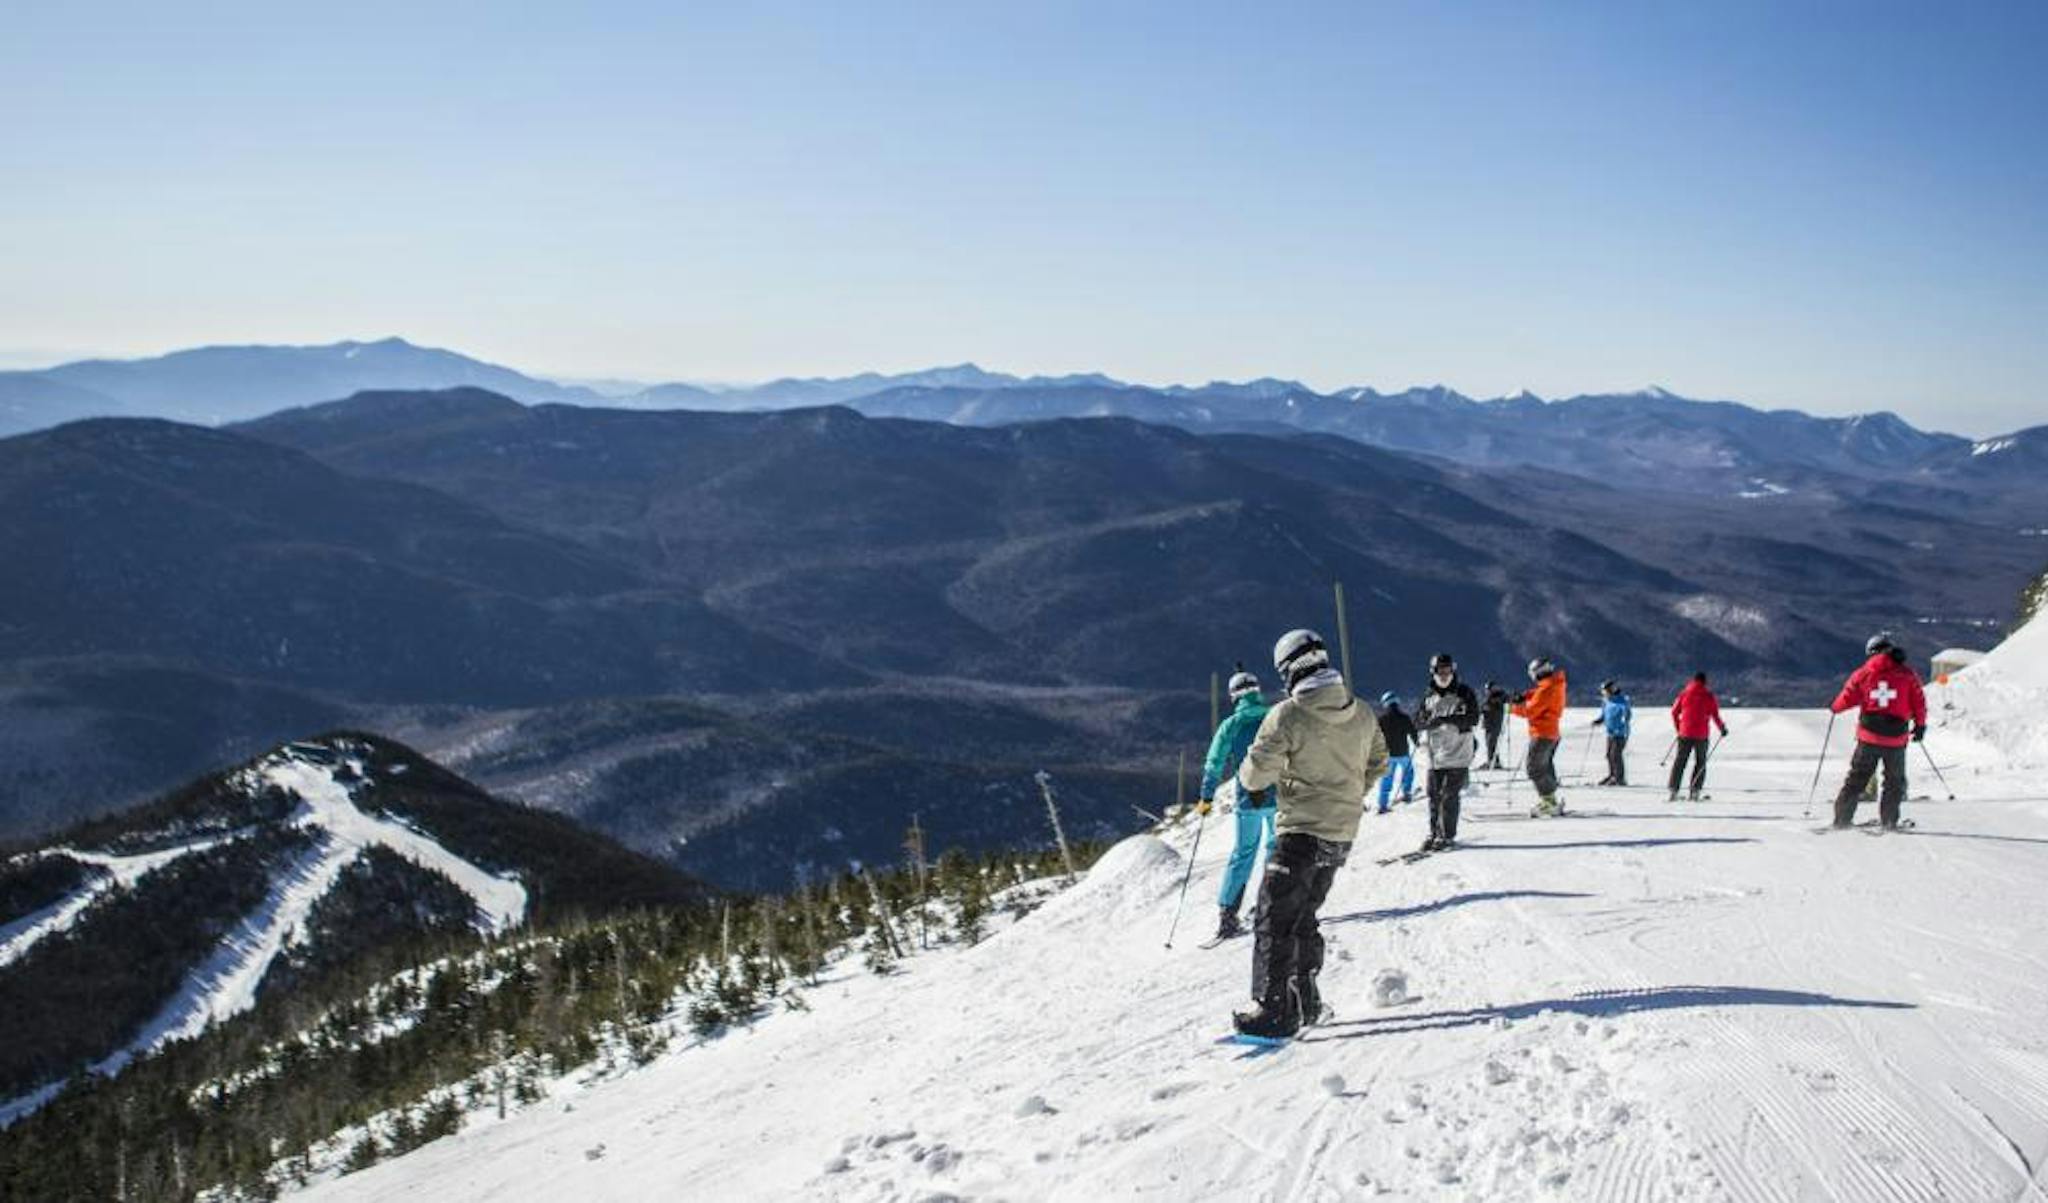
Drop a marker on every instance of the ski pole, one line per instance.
(1706, 754)
(1937, 772)
(1586, 755)
(1200, 822)
(1818, 765)
(1668, 750)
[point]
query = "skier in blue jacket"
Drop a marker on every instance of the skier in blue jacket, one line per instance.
(1401, 734)
(1254, 812)
(1615, 714)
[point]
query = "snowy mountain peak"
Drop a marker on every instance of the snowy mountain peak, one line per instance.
(310, 858)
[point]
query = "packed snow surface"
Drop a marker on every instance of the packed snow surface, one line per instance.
(1644, 1001)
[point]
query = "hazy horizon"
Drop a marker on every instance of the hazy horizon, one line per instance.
(1833, 212)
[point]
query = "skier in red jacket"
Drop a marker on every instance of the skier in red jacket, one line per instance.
(1695, 710)
(1894, 714)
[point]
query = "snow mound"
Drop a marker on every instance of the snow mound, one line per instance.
(1126, 882)
(1390, 988)
(2003, 698)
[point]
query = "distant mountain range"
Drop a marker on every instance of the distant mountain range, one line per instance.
(751, 642)
(1651, 439)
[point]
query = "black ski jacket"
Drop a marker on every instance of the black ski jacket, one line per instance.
(1398, 728)
(1496, 707)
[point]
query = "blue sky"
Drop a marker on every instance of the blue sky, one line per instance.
(1833, 206)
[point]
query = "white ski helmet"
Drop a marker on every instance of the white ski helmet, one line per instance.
(1540, 668)
(1298, 653)
(1242, 683)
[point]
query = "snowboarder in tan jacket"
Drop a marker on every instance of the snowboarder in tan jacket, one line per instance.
(1322, 749)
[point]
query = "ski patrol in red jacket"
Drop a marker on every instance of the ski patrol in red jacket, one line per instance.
(1889, 692)
(1696, 710)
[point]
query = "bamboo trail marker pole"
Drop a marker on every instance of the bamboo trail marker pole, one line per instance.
(1344, 639)
(1059, 832)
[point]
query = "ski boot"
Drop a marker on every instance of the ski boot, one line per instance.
(1272, 1019)
(1227, 925)
(1548, 806)
(1673, 796)
(1313, 1009)
(1430, 845)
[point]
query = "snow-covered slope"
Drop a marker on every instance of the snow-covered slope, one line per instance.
(1645, 1001)
(273, 882)
(226, 983)
(18, 937)
(2003, 698)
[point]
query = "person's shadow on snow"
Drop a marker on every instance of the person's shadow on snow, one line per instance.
(1443, 904)
(1596, 1004)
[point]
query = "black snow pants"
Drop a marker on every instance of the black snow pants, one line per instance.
(1862, 766)
(1617, 767)
(1697, 750)
(1543, 765)
(1287, 952)
(1493, 726)
(1445, 786)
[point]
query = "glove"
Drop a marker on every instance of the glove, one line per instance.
(1920, 733)
(1202, 808)
(1596, 722)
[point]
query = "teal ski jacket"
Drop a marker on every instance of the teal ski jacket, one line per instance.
(1226, 751)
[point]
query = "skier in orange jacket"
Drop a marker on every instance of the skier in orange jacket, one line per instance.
(1543, 707)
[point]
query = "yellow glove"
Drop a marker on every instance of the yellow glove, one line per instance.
(1202, 808)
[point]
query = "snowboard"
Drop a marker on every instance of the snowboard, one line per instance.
(1255, 1046)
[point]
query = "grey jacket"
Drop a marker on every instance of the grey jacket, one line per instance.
(1447, 717)
(1324, 750)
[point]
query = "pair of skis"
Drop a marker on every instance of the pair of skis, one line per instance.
(1867, 827)
(1409, 858)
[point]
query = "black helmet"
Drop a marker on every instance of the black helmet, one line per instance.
(1880, 642)
(1442, 662)
(1608, 686)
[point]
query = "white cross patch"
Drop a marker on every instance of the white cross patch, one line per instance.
(1883, 694)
